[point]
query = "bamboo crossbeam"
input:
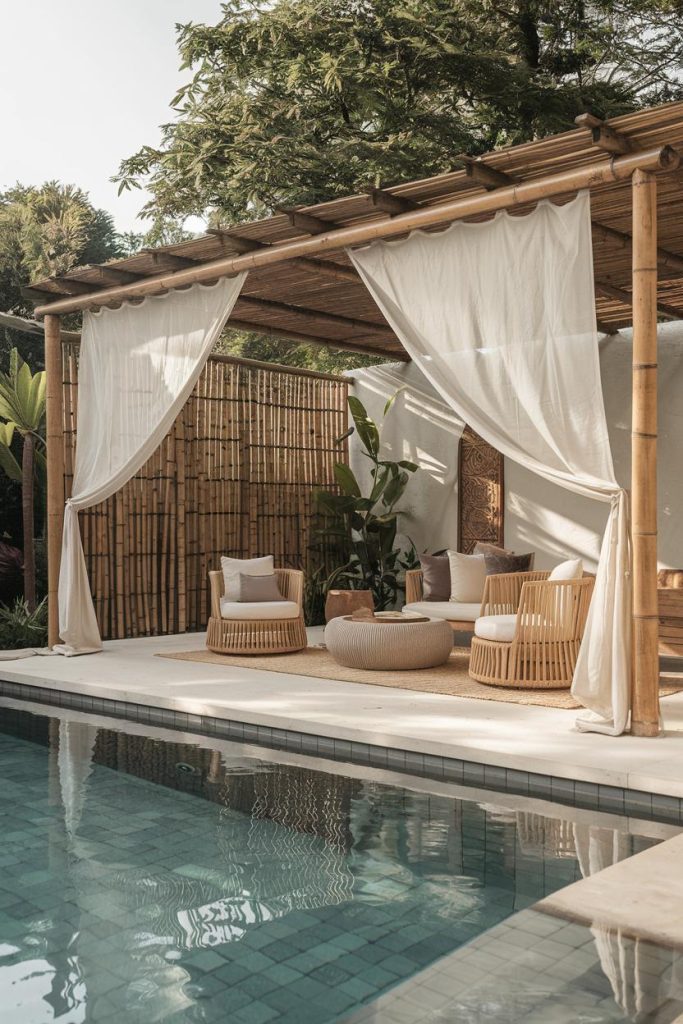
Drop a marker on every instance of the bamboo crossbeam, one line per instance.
(484, 175)
(390, 203)
(321, 268)
(54, 440)
(665, 259)
(316, 315)
(609, 291)
(307, 222)
(18, 323)
(603, 135)
(171, 259)
(72, 338)
(299, 338)
(660, 158)
(645, 703)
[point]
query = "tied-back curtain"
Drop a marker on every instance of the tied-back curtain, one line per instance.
(138, 365)
(500, 316)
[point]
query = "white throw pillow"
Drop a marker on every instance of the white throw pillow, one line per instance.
(232, 567)
(572, 569)
(468, 576)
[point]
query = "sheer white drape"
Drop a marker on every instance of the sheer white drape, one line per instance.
(500, 316)
(138, 365)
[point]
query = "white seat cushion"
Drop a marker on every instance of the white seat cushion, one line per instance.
(264, 610)
(452, 611)
(496, 627)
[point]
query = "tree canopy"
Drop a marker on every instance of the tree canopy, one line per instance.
(46, 230)
(297, 101)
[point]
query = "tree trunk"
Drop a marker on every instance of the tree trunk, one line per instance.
(27, 499)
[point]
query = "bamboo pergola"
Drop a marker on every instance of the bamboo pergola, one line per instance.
(301, 286)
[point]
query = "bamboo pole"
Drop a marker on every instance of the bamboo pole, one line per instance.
(564, 182)
(54, 436)
(645, 703)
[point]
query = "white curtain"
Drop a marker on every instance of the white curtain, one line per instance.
(643, 976)
(138, 365)
(500, 316)
(74, 759)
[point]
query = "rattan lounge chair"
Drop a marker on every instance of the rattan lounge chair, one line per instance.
(246, 628)
(530, 631)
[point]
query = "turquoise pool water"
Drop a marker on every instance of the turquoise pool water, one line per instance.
(146, 881)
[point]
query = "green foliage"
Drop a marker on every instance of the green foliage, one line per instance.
(48, 230)
(366, 526)
(301, 100)
(20, 627)
(308, 357)
(22, 411)
(8, 462)
(22, 396)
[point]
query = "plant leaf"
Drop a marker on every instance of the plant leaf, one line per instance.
(366, 427)
(346, 479)
(391, 399)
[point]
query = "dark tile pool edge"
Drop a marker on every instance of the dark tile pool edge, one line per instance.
(588, 795)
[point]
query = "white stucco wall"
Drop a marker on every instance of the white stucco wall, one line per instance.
(422, 428)
(539, 516)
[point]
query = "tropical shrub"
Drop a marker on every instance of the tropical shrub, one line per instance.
(22, 411)
(366, 525)
(21, 627)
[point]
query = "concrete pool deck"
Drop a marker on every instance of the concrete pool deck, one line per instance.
(533, 739)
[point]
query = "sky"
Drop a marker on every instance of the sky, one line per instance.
(85, 83)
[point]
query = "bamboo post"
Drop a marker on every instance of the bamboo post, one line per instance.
(54, 437)
(645, 702)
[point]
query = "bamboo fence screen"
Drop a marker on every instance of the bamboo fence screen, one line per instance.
(235, 476)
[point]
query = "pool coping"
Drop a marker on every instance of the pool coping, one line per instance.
(573, 792)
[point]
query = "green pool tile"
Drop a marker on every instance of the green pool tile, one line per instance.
(257, 1013)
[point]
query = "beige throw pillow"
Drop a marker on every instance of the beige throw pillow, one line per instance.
(232, 567)
(468, 575)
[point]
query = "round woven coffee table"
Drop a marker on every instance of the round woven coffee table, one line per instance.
(380, 645)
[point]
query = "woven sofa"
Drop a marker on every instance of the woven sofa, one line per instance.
(460, 617)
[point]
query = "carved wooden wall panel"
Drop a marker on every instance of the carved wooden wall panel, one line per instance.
(481, 492)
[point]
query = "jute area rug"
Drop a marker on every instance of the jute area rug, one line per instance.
(451, 679)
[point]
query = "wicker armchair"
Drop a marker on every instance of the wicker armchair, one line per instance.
(257, 636)
(549, 617)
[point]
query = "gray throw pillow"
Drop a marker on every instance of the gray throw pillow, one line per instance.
(436, 577)
(499, 563)
(259, 588)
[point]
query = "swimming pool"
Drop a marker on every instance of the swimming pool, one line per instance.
(144, 880)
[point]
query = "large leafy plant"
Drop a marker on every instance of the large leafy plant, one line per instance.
(21, 626)
(367, 525)
(22, 411)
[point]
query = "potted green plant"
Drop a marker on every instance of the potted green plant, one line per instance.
(367, 525)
